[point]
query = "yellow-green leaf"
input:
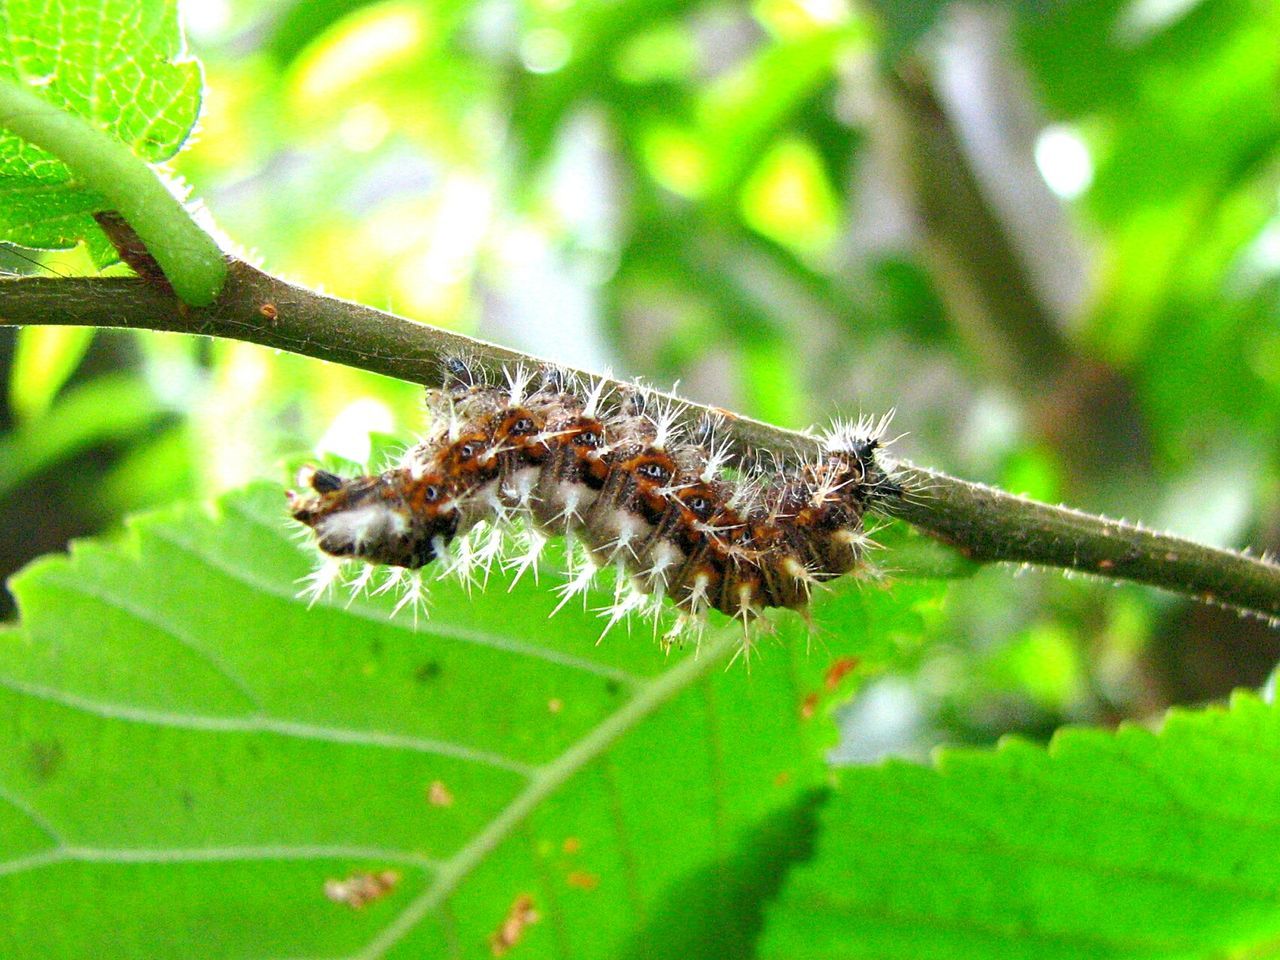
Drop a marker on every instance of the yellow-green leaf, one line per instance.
(43, 360)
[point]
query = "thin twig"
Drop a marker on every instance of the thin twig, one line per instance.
(984, 524)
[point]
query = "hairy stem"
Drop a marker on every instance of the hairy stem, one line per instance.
(189, 257)
(984, 524)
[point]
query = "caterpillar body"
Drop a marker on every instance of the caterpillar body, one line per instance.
(680, 513)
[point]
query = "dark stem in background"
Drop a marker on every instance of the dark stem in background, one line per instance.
(985, 525)
(987, 251)
(1083, 406)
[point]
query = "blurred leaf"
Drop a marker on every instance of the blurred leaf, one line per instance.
(179, 723)
(667, 52)
(771, 381)
(1107, 845)
(109, 408)
(1059, 38)
(742, 112)
(912, 555)
(789, 199)
(360, 46)
(1044, 664)
(157, 470)
(44, 358)
(301, 21)
(122, 65)
(596, 34)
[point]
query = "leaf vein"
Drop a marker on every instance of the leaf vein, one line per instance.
(73, 853)
(271, 725)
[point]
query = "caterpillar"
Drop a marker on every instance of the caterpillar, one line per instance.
(684, 516)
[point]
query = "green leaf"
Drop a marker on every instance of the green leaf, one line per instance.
(190, 753)
(688, 922)
(742, 112)
(1105, 845)
(121, 65)
(596, 33)
(43, 360)
(107, 409)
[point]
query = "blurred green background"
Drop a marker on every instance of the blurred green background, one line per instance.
(1047, 233)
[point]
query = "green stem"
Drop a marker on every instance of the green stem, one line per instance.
(190, 258)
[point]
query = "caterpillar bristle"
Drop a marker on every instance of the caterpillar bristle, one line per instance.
(319, 582)
(413, 595)
(359, 585)
(392, 580)
(577, 585)
(691, 521)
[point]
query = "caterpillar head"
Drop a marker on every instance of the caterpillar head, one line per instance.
(392, 518)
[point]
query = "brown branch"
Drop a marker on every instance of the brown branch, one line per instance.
(984, 524)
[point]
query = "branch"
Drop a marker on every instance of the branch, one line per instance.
(984, 524)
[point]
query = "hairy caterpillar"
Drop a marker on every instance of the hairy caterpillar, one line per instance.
(676, 510)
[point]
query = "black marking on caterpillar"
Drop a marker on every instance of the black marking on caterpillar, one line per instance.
(674, 507)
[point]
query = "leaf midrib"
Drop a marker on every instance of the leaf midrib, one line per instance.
(546, 780)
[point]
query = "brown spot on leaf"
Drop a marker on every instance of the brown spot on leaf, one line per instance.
(839, 669)
(438, 795)
(520, 917)
(583, 880)
(44, 759)
(361, 889)
(808, 706)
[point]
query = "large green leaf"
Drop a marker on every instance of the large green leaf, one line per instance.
(190, 753)
(120, 64)
(1132, 844)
